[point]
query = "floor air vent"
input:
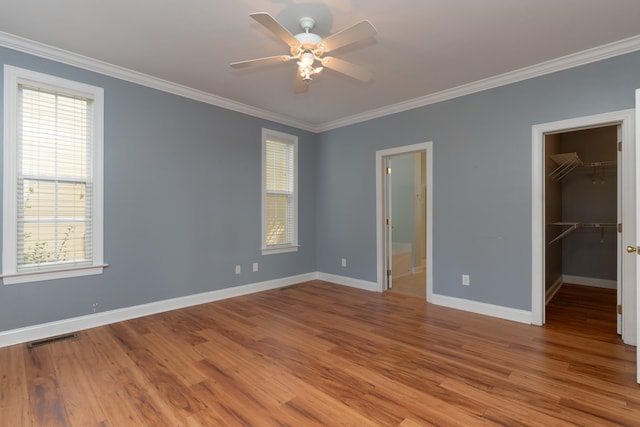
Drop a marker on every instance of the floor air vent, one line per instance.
(50, 340)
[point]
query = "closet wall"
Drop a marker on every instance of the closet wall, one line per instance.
(589, 194)
(553, 212)
(586, 195)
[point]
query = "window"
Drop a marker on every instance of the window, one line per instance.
(279, 192)
(52, 183)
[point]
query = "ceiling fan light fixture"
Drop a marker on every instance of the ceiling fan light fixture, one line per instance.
(307, 48)
(307, 59)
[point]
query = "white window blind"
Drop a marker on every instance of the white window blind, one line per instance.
(54, 179)
(53, 169)
(280, 192)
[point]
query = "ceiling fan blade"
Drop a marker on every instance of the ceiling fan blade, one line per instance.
(355, 33)
(261, 61)
(347, 68)
(275, 27)
(301, 85)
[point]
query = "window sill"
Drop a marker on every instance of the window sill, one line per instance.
(37, 276)
(279, 249)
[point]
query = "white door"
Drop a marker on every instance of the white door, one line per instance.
(637, 218)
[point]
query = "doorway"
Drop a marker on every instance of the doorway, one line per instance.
(406, 229)
(542, 233)
(582, 212)
(403, 218)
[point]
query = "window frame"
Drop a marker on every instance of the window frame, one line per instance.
(13, 78)
(293, 141)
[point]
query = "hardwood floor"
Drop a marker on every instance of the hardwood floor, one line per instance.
(323, 354)
(411, 284)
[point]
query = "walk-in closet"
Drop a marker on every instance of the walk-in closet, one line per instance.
(581, 209)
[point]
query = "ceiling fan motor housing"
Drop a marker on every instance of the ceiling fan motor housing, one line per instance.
(307, 39)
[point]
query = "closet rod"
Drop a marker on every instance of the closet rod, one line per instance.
(575, 225)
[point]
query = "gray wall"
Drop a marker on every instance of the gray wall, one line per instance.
(481, 178)
(182, 204)
(182, 191)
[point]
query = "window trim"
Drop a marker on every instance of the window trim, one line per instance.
(13, 77)
(292, 140)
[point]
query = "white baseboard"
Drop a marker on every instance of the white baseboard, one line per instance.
(348, 281)
(521, 316)
(553, 289)
(45, 330)
(65, 326)
(590, 281)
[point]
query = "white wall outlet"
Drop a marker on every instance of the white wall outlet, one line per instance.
(465, 280)
(255, 266)
(344, 262)
(238, 269)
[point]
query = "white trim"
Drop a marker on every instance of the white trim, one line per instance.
(38, 276)
(66, 57)
(45, 330)
(513, 314)
(279, 250)
(590, 281)
(290, 140)
(348, 281)
(625, 119)
(65, 326)
(427, 147)
(13, 77)
(599, 53)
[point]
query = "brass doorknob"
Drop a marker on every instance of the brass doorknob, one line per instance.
(632, 249)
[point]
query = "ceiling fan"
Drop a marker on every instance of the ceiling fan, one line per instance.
(309, 49)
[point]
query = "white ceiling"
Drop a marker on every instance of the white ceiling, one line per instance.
(423, 47)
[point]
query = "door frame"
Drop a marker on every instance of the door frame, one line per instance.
(381, 157)
(625, 119)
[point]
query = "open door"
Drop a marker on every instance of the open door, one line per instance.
(637, 219)
(392, 222)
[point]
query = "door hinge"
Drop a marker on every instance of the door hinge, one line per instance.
(388, 221)
(388, 171)
(619, 228)
(619, 146)
(388, 272)
(619, 309)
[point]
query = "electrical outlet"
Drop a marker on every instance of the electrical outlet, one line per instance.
(238, 269)
(255, 266)
(465, 280)
(344, 262)
(95, 306)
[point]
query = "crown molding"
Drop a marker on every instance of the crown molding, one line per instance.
(595, 54)
(70, 58)
(599, 53)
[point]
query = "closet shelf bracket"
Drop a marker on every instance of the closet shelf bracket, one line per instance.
(566, 163)
(569, 161)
